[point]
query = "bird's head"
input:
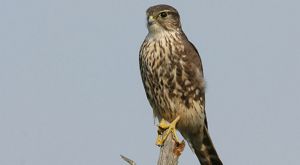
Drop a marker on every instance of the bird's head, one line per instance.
(161, 18)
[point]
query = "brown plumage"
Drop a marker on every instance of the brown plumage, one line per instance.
(173, 79)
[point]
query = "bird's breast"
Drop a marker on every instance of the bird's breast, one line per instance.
(169, 87)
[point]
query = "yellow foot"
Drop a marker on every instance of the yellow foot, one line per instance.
(170, 128)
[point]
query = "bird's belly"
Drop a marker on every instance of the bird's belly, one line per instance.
(169, 101)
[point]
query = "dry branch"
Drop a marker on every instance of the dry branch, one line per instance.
(169, 152)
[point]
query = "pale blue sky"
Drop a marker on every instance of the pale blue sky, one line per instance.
(71, 93)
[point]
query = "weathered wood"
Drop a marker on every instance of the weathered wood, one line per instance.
(170, 151)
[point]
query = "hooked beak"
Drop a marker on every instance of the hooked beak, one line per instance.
(150, 20)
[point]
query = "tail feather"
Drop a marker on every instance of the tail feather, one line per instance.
(206, 152)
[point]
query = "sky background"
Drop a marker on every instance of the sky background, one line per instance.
(71, 92)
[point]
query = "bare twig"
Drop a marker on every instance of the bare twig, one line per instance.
(129, 161)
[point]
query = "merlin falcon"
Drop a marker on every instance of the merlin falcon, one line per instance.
(173, 79)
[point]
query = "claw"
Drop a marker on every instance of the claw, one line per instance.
(170, 128)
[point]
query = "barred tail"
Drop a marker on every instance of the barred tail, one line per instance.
(206, 152)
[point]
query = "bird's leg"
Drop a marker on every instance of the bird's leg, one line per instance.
(170, 128)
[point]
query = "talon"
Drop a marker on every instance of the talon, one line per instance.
(170, 128)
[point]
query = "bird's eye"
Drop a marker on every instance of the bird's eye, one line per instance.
(163, 14)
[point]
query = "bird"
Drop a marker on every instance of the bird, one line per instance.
(173, 79)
